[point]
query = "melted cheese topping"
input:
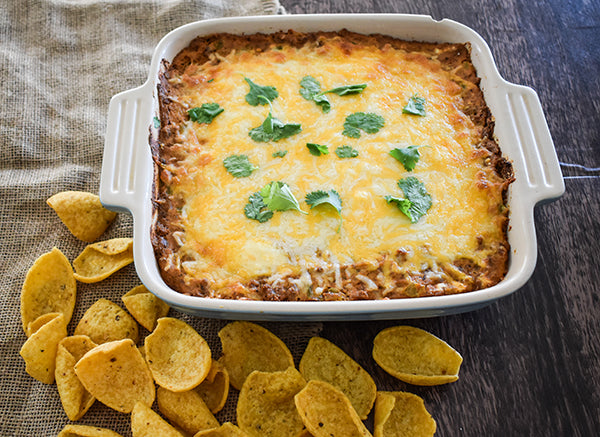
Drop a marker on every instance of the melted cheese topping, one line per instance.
(225, 247)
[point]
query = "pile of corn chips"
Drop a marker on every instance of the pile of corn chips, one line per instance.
(329, 394)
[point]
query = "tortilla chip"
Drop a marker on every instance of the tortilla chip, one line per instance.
(39, 351)
(49, 287)
(86, 431)
(266, 404)
(144, 306)
(105, 321)
(32, 327)
(116, 374)
(75, 399)
(228, 429)
(401, 414)
(416, 356)
(326, 411)
(178, 357)
(82, 213)
(325, 361)
(248, 347)
(100, 260)
(215, 387)
(147, 423)
(186, 409)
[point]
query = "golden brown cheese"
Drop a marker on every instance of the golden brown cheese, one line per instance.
(207, 246)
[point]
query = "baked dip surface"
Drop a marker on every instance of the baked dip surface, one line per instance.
(392, 188)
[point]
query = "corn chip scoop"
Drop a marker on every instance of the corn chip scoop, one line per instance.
(326, 411)
(144, 306)
(39, 350)
(401, 414)
(147, 423)
(324, 361)
(228, 429)
(178, 357)
(248, 347)
(215, 387)
(86, 431)
(49, 287)
(416, 356)
(266, 404)
(82, 214)
(75, 399)
(116, 374)
(100, 260)
(186, 410)
(105, 321)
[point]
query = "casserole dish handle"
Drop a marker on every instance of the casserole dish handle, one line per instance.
(540, 165)
(126, 159)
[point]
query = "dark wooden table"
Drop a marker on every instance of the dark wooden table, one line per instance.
(531, 360)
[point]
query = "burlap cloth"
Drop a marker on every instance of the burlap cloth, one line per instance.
(61, 62)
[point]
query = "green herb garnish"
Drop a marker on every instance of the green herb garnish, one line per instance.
(239, 166)
(277, 196)
(408, 156)
(156, 122)
(317, 149)
(320, 197)
(279, 154)
(415, 106)
(256, 209)
(346, 152)
(346, 90)
(205, 113)
(368, 122)
(417, 200)
(267, 93)
(273, 129)
(310, 89)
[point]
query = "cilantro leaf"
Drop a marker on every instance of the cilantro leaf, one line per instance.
(274, 129)
(239, 166)
(317, 149)
(156, 122)
(346, 152)
(277, 196)
(320, 197)
(268, 93)
(368, 122)
(347, 90)
(279, 154)
(256, 209)
(408, 156)
(310, 89)
(205, 113)
(415, 106)
(417, 202)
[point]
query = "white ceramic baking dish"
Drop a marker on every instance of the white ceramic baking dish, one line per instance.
(521, 131)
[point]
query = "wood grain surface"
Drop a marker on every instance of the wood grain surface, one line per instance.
(531, 360)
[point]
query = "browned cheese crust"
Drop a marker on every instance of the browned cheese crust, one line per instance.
(462, 275)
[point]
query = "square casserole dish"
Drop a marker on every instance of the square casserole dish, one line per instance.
(520, 129)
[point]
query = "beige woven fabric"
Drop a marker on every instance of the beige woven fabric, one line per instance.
(60, 63)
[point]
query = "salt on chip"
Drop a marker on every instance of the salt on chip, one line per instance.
(186, 409)
(415, 356)
(178, 357)
(228, 429)
(75, 399)
(100, 260)
(147, 423)
(82, 213)
(266, 403)
(39, 351)
(248, 347)
(325, 361)
(401, 414)
(86, 431)
(116, 374)
(106, 321)
(326, 411)
(144, 306)
(49, 287)
(215, 387)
